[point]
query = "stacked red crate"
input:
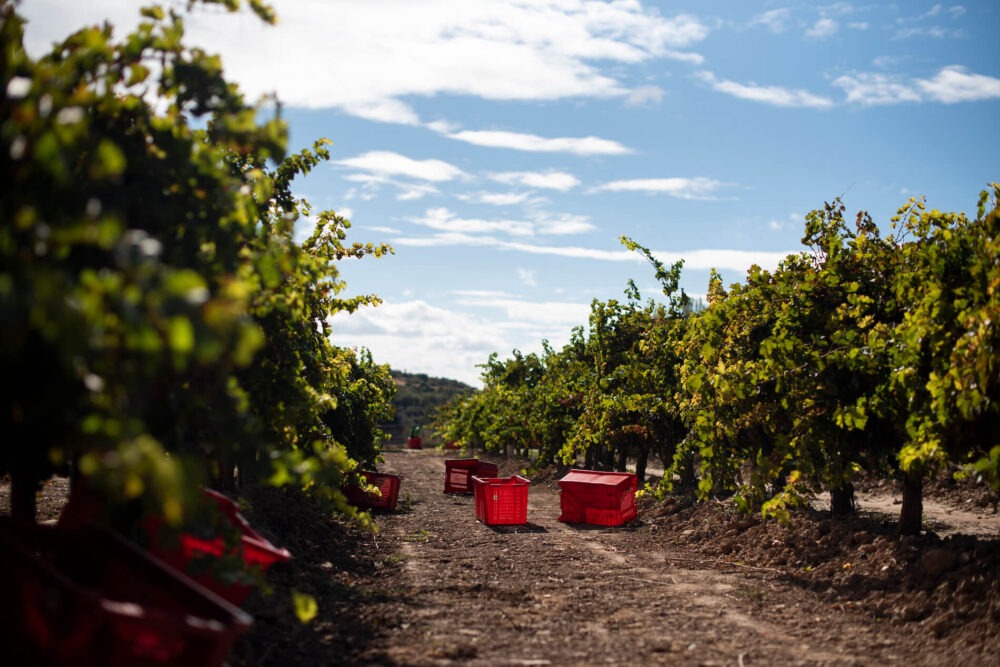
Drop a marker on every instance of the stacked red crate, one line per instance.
(597, 497)
(458, 473)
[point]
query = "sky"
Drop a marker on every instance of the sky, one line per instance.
(503, 147)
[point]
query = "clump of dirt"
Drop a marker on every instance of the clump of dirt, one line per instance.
(949, 486)
(947, 586)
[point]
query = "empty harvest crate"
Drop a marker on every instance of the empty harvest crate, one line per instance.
(458, 474)
(388, 486)
(501, 501)
(193, 554)
(596, 497)
(83, 597)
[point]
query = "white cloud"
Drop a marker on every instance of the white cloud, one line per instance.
(683, 188)
(418, 337)
(388, 163)
(934, 32)
(775, 20)
(496, 198)
(953, 84)
(823, 27)
(644, 96)
(732, 260)
(367, 57)
(527, 276)
(522, 313)
(888, 61)
(562, 224)
(773, 95)
(535, 144)
(794, 220)
(697, 259)
(381, 229)
(384, 111)
(910, 24)
(551, 180)
(870, 89)
(458, 230)
(950, 85)
(443, 220)
(372, 184)
(413, 192)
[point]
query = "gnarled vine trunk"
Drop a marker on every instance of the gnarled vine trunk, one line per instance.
(911, 514)
(842, 500)
(640, 465)
(23, 492)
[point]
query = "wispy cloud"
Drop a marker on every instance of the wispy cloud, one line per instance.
(463, 230)
(823, 27)
(950, 85)
(721, 259)
(918, 26)
(682, 188)
(934, 32)
(535, 144)
(371, 184)
(495, 198)
(527, 313)
(695, 259)
(551, 180)
(527, 276)
(561, 224)
(645, 96)
(388, 163)
(773, 95)
(775, 20)
(441, 219)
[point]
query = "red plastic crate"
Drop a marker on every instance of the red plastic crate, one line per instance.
(388, 486)
(596, 497)
(256, 552)
(458, 473)
(85, 597)
(501, 501)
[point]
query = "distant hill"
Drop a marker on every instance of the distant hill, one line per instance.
(417, 395)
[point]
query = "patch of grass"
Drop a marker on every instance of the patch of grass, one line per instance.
(393, 560)
(421, 535)
(404, 504)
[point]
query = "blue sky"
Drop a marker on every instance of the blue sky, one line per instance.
(502, 147)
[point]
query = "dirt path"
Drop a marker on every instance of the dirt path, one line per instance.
(679, 586)
(549, 593)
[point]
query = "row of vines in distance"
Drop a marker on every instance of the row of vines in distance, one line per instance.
(864, 353)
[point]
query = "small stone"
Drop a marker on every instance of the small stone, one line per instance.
(936, 562)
